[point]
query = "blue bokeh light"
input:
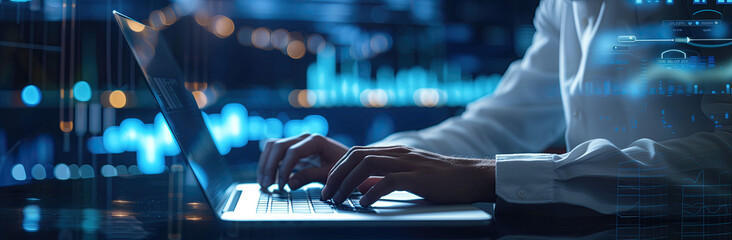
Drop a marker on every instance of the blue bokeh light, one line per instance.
(256, 128)
(235, 118)
(131, 131)
(165, 136)
(273, 128)
(316, 124)
(44, 149)
(112, 140)
(293, 128)
(31, 95)
(61, 171)
(18, 172)
(233, 128)
(150, 158)
(96, 145)
(109, 171)
(82, 91)
(31, 218)
(38, 172)
(442, 81)
(218, 132)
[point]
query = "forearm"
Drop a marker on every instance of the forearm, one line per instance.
(597, 174)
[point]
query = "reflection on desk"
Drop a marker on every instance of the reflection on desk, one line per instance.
(172, 206)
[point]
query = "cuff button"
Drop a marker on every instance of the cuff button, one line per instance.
(521, 194)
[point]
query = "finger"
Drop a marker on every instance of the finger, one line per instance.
(275, 156)
(279, 148)
(348, 162)
(262, 159)
(306, 176)
(362, 150)
(368, 183)
(391, 182)
(309, 146)
(370, 165)
(352, 157)
(348, 155)
(340, 171)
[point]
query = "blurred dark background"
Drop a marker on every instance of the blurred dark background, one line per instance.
(262, 54)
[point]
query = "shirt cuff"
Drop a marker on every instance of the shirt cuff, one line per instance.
(525, 178)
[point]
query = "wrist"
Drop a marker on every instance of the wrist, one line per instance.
(488, 169)
(482, 176)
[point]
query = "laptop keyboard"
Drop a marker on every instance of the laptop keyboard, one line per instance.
(306, 202)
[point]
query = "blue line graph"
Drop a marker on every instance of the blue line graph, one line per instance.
(642, 201)
(696, 179)
(705, 203)
(702, 209)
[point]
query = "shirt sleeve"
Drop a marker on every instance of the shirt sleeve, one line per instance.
(608, 179)
(505, 121)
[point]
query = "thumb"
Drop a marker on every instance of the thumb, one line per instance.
(368, 183)
(308, 175)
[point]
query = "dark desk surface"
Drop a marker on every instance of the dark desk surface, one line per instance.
(167, 207)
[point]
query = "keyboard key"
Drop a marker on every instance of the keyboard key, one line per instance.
(298, 201)
(323, 210)
(365, 210)
(301, 211)
(343, 207)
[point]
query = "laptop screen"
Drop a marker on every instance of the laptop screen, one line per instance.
(166, 82)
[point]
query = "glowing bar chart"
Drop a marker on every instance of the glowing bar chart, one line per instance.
(441, 85)
(232, 128)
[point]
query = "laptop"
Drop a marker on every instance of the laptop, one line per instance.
(232, 200)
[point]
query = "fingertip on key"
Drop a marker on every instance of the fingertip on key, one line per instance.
(365, 201)
(281, 184)
(338, 198)
(294, 183)
(324, 193)
(268, 181)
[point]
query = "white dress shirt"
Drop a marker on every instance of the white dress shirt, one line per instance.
(615, 139)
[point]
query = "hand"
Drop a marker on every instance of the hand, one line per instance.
(279, 158)
(434, 177)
